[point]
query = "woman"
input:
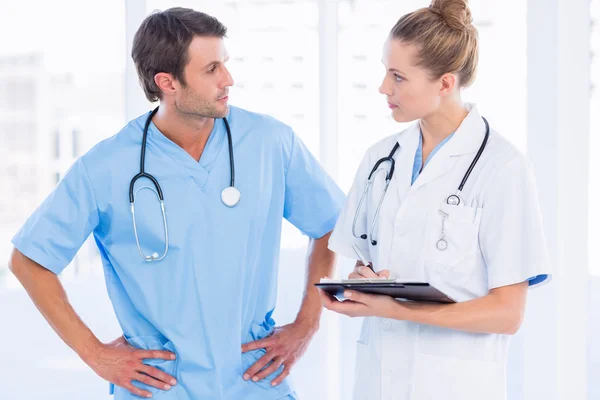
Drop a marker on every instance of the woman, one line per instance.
(482, 245)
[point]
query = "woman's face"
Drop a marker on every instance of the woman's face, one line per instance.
(410, 92)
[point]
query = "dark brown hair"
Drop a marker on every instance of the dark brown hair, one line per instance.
(445, 36)
(161, 44)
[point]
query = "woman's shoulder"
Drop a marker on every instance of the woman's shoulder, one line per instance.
(501, 152)
(384, 146)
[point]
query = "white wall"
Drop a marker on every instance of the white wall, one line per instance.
(558, 133)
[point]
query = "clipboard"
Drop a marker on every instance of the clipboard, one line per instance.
(409, 291)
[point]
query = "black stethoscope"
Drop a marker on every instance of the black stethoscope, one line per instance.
(230, 196)
(453, 199)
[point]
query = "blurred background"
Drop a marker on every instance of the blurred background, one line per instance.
(67, 82)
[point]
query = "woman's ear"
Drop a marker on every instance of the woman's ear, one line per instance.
(448, 82)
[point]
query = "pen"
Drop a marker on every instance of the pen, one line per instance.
(362, 257)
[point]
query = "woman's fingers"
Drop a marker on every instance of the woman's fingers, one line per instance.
(362, 272)
(384, 273)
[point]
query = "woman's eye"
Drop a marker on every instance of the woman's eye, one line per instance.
(213, 68)
(398, 78)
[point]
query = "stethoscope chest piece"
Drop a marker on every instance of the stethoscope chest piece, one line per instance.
(230, 196)
(453, 200)
(442, 244)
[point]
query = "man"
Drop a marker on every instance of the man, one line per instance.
(193, 284)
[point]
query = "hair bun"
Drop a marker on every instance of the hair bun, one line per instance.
(455, 13)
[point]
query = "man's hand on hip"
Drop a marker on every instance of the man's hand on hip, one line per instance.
(120, 363)
(284, 347)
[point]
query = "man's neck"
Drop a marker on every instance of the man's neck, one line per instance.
(188, 132)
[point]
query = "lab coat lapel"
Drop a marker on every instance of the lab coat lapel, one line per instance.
(465, 142)
(405, 157)
(439, 165)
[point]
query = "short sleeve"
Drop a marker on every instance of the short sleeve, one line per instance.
(312, 199)
(342, 238)
(53, 234)
(512, 235)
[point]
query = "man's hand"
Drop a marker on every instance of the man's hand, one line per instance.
(284, 347)
(120, 363)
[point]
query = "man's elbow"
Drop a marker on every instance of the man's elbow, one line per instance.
(17, 263)
(325, 237)
(13, 261)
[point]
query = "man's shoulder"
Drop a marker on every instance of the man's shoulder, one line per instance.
(109, 151)
(257, 122)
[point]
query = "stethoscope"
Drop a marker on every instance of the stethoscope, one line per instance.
(453, 199)
(230, 196)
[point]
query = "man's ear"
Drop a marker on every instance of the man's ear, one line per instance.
(165, 82)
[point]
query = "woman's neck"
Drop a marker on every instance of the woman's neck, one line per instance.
(438, 126)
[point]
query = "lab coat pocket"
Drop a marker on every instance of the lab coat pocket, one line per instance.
(167, 366)
(249, 358)
(452, 241)
(438, 377)
(365, 331)
(366, 372)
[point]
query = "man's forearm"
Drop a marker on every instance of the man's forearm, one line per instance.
(50, 298)
(321, 262)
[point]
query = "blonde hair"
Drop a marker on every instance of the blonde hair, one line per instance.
(446, 39)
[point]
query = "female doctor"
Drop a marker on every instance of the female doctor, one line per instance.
(448, 201)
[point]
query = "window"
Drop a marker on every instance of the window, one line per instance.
(593, 201)
(274, 49)
(594, 148)
(60, 93)
(364, 116)
(50, 84)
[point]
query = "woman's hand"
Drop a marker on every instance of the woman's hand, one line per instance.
(364, 305)
(361, 271)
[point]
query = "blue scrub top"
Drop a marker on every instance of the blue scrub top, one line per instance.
(419, 157)
(216, 288)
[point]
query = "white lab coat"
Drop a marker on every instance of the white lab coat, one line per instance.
(495, 238)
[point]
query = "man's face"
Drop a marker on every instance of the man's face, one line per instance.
(205, 94)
